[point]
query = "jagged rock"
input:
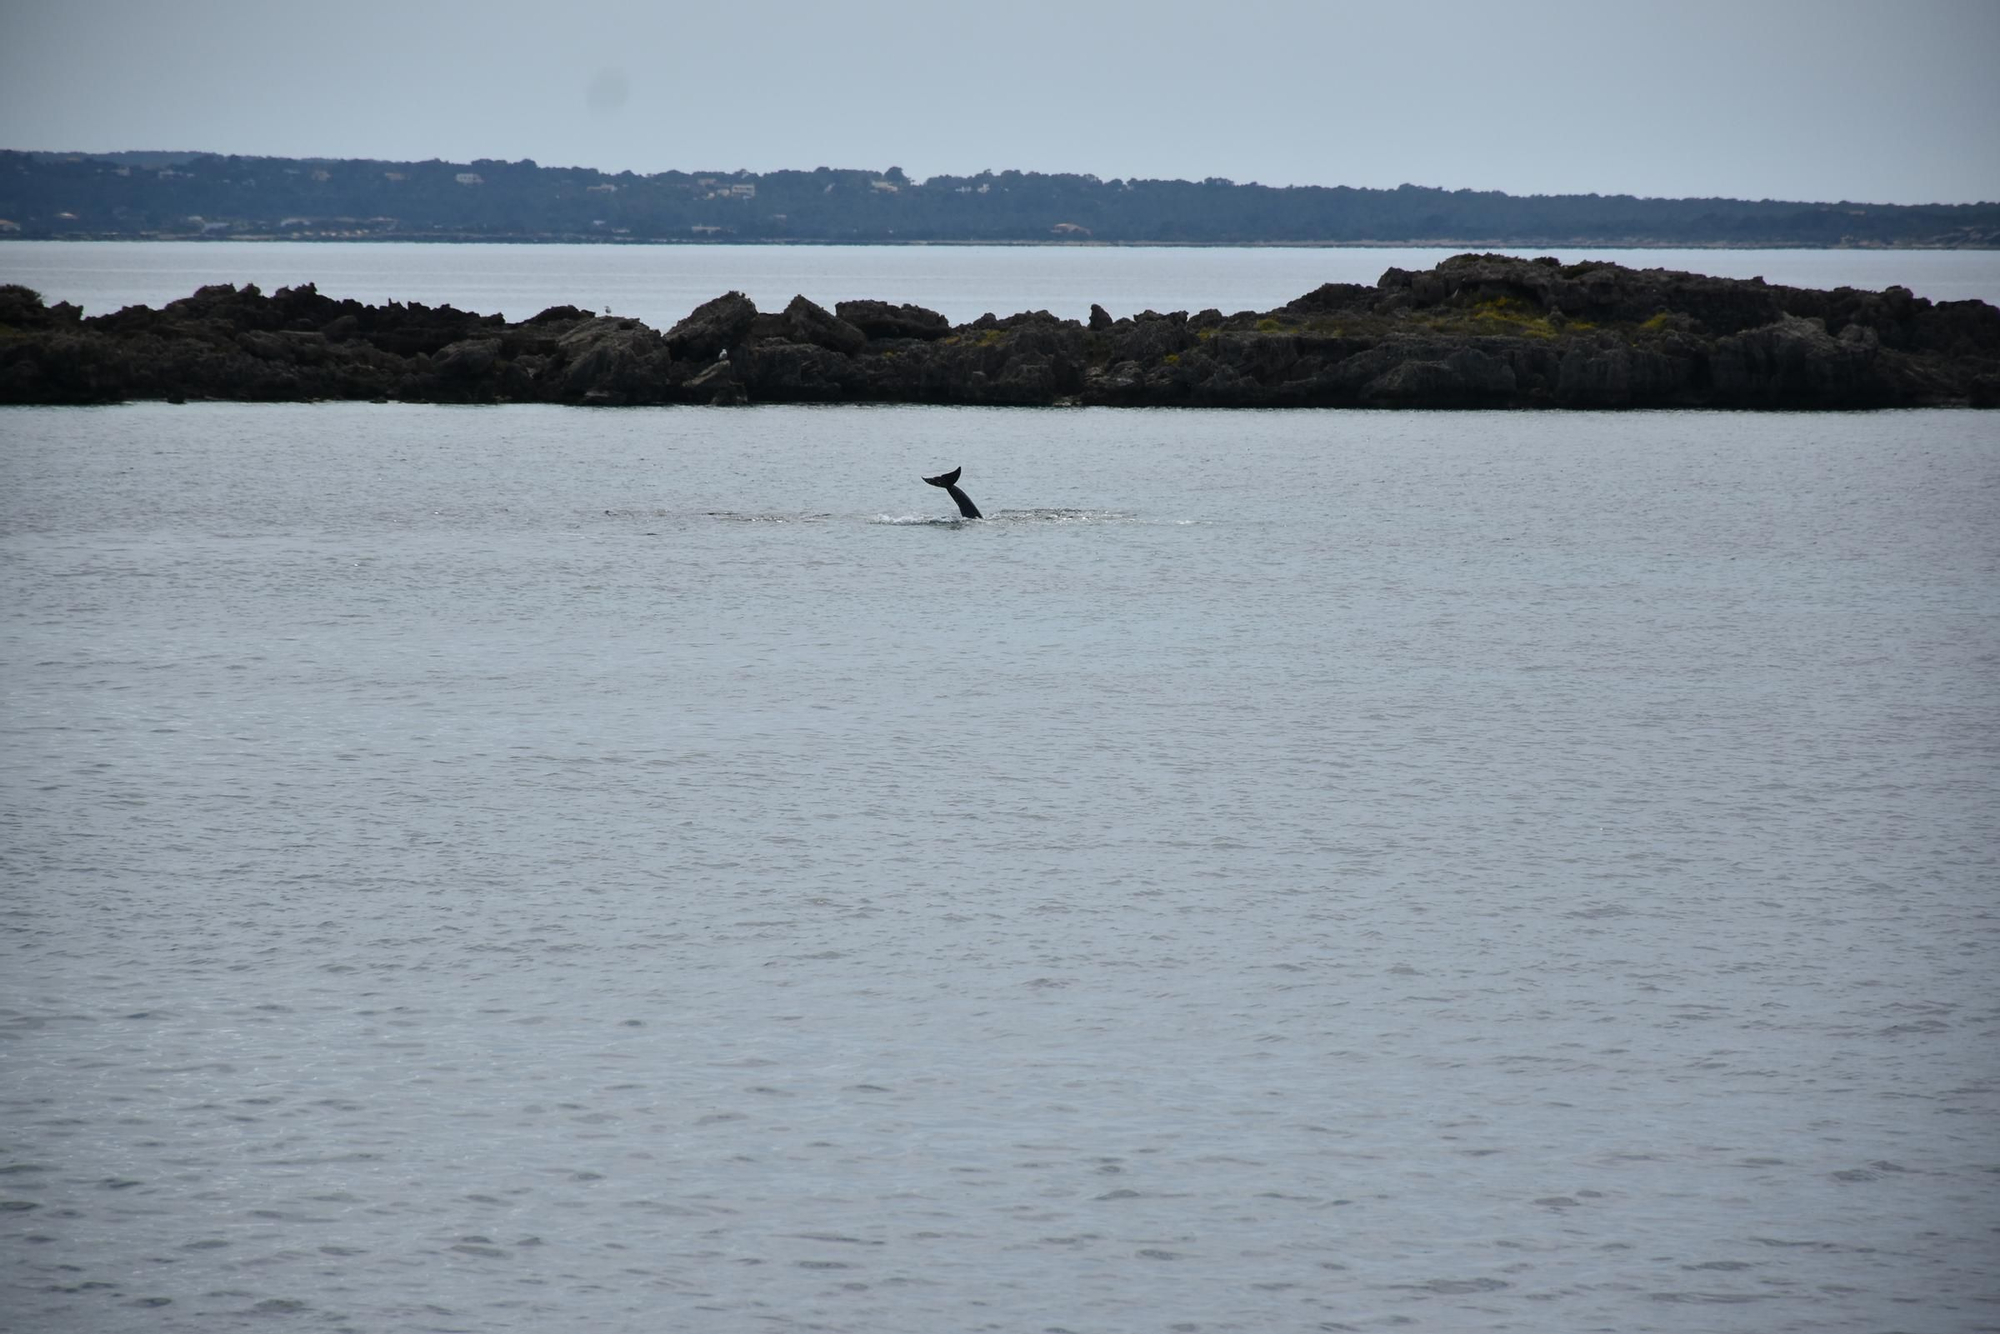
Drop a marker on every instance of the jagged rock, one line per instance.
(717, 386)
(1861, 335)
(1327, 297)
(782, 372)
(1263, 357)
(1619, 377)
(260, 344)
(1100, 318)
(1215, 384)
(1027, 381)
(468, 359)
(879, 319)
(22, 308)
(1147, 340)
(1794, 363)
(1118, 384)
(614, 360)
(1464, 377)
(712, 328)
(811, 323)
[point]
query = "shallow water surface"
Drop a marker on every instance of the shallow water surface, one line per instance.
(512, 869)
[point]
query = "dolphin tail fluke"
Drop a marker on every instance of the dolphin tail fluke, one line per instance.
(949, 481)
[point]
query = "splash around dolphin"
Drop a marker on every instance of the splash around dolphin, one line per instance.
(949, 481)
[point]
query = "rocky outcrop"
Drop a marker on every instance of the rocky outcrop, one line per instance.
(1477, 331)
(712, 328)
(879, 319)
(807, 322)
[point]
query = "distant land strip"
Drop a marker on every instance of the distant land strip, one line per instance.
(1476, 331)
(206, 196)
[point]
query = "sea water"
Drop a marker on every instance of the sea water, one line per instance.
(525, 868)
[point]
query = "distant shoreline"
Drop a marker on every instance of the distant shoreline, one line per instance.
(210, 196)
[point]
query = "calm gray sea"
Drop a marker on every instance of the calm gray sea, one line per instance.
(520, 869)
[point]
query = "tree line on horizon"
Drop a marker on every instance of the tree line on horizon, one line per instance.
(194, 195)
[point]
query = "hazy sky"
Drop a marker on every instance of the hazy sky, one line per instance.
(1873, 100)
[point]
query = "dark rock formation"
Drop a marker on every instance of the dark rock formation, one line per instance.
(1478, 331)
(712, 328)
(810, 323)
(879, 319)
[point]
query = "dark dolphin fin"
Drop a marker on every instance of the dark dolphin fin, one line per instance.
(949, 481)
